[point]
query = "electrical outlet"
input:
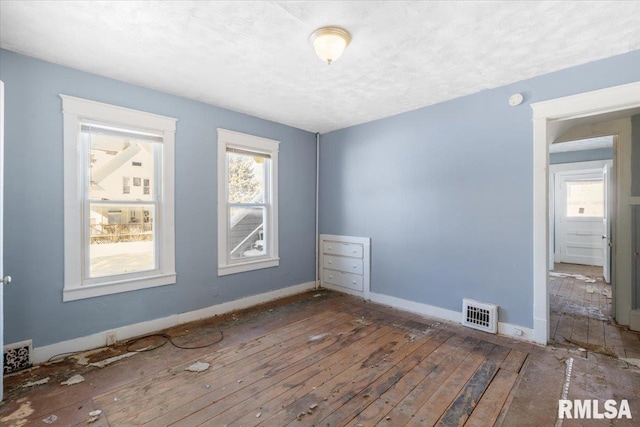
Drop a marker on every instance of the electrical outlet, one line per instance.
(112, 338)
(518, 332)
(215, 291)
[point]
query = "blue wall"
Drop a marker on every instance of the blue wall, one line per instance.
(446, 192)
(33, 240)
(581, 156)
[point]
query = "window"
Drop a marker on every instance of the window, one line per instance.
(117, 238)
(247, 202)
(585, 199)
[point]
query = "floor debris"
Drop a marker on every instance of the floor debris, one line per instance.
(258, 414)
(83, 358)
(198, 367)
(575, 276)
(630, 361)
(50, 419)
(313, 406)
(109, 361)
(318, 337)
(362, 322)
(593, 347)
(317, 295)
(76, 379)
(19, 415)
(35, 383)
(94, 416)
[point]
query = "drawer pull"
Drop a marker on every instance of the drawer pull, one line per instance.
(330, 277)
(355, 266)
(330, 262)
(355, 283)
(330, 248)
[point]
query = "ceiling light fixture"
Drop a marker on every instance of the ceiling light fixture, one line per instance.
(330, 42)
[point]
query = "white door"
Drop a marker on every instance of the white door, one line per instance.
(579, 213)
(606, 221)
(4, 280)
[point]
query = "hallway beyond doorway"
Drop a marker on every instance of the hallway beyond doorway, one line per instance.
(580, 303)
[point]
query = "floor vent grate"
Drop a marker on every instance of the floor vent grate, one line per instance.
(480, 315)
(17, 356)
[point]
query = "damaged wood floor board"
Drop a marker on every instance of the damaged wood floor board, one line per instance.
(382, 384)
(401, 396)
(269, 403)
(467, 399)
(265, 349)
(236, 371)
(437, 403)
(338, 358)
(50, 396)
(435, 374)
(341, 389)
(596, 332)
(630, 340)
(591, 380)
(514, 361)
(533, 401)
(493, 400)
(299, 395)
(431, 379)
(613, 339)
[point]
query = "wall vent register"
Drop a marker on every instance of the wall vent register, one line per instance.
(480, 315)
(344, 264)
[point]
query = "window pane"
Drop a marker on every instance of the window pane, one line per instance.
(121, 239)
(115, 164)
(585, 199)
(246, 234)
(247, 177)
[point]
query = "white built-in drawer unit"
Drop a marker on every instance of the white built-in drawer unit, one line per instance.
(344, 263)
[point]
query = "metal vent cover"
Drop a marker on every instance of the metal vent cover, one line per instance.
(17, 356)
(480, 315)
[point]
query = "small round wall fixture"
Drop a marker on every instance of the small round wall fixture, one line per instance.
(330, 42)
(516, 99)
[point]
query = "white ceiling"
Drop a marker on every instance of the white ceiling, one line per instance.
(255, 57)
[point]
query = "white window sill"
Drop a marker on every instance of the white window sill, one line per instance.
(223, 270)
(90, 291)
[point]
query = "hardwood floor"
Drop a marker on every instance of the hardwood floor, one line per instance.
(316, 359)
(580, 313)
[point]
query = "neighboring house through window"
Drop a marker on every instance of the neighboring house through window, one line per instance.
(247, 202)
(118, 237)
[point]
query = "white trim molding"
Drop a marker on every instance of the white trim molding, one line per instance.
(77, 283)
(549, 118)
(97, 340)
(505, 329)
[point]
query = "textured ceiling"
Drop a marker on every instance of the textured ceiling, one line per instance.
(255, 57)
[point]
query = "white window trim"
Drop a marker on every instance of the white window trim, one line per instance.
(74, 110)
(254, 143)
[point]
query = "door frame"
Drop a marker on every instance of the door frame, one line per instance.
(590, 166)
(550, 120)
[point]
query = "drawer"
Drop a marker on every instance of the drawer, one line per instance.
(347, 265)
(344, 249)
(346, 280)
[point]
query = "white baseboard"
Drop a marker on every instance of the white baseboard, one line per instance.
(506, 329)
(42, 354)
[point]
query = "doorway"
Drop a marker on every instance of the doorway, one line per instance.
(602, 112)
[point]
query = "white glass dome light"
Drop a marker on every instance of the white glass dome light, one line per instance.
(330, 42)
